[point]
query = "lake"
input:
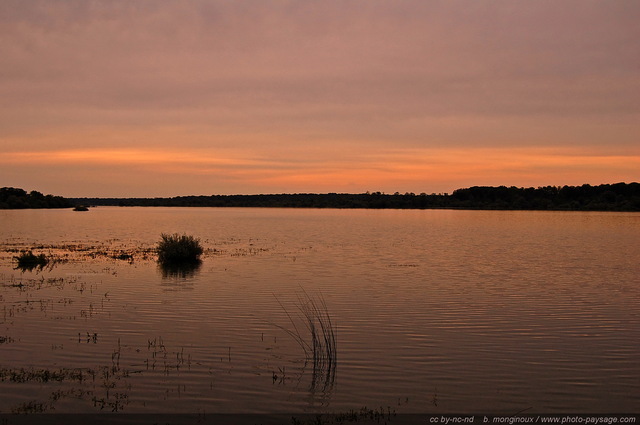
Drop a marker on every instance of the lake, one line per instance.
(434, 311)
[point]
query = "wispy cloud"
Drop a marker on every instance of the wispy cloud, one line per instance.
(417, 170)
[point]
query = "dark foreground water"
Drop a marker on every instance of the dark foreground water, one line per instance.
(434, 311)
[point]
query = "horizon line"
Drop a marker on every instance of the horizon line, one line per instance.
(350, 193)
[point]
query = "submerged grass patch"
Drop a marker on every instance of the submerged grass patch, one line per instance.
(106, 387)
(41, 375)
(179, 249)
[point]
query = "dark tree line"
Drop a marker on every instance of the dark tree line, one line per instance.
(12, 198)
(606, 197)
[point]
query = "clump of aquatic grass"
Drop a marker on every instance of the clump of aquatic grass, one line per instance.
(315, 333)
(27, 260)
(179, 249)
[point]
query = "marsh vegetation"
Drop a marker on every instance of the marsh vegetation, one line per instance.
(71, 299)
(27, 260)
(314, 331)
(178, 249)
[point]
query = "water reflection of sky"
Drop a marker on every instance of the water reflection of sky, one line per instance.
(436, 311)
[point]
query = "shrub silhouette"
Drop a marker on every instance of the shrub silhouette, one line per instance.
(27, 260)
(179, 249)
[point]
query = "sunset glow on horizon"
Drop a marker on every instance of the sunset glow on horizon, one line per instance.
(166, 98)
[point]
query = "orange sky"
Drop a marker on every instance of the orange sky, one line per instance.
(166, 98)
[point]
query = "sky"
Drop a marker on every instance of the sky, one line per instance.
(185, 97)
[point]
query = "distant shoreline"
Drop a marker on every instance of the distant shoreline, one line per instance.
(606, 197)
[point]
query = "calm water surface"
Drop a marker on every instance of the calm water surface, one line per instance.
(435, 311)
